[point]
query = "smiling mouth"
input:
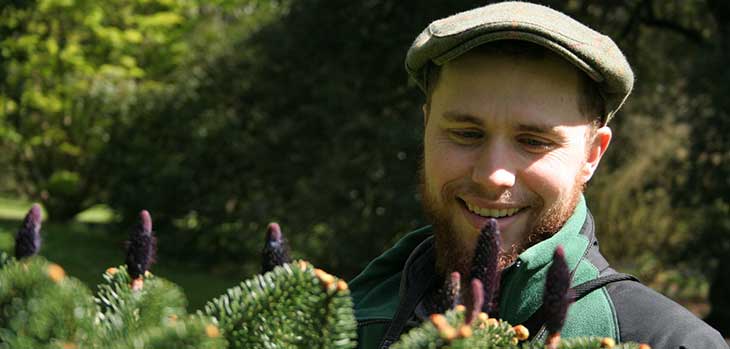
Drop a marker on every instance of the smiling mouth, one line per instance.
(492, 213)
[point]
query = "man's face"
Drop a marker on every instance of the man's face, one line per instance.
(504, 138)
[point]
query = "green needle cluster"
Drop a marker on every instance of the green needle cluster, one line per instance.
(292, 306)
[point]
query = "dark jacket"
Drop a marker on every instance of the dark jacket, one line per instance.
(393, 284)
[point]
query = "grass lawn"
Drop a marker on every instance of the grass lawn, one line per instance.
(86, 247)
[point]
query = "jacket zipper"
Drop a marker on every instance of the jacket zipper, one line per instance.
(372, 321)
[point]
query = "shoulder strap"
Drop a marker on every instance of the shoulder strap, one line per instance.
(579, 291)
(410, 295)
(536, 321)
(405, 311)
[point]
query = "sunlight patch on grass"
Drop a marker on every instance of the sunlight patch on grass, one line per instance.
(15, 209)
(96, 214)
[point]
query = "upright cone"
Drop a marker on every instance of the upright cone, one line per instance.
(557, 297)
(141, 247)
(486, 261)
(28, 239)
(275, 251)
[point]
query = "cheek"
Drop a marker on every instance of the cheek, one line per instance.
(551, 177)
(444, 162)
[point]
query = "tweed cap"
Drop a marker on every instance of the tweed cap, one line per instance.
(593, 53)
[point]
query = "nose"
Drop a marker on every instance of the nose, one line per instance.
(493, 169)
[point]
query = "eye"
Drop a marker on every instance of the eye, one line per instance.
(535, 144)
(465, 136)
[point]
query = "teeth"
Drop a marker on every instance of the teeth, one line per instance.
(492, 213)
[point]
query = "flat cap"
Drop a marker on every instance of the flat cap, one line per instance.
(594, 53)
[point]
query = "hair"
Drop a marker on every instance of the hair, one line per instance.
(590, 101)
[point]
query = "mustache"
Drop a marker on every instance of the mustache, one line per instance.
(466, 188)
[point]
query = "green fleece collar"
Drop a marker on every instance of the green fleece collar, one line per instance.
(523, 283)
(375, 291)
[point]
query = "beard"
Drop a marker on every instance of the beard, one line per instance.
(455, 251)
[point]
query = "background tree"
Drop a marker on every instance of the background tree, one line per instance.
(70, 70)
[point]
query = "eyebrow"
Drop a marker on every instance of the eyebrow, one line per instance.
(535, 127)
(456, 116)
(538, 128)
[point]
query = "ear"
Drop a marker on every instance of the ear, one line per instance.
(595, 152)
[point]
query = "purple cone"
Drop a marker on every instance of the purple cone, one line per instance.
(454, 289)
(485, 263)
(475, 307)
(28, 239)
(276, 250)
(141, 247)
(445, 297)
(556, 298)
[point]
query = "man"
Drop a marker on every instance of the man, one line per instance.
(518, 98)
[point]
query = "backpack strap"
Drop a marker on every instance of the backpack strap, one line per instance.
(535, 323)
(579, 291)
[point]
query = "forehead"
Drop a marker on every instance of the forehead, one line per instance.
(542, 89)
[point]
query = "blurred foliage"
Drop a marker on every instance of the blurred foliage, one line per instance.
(71, 71)
(221, 116)
(269, 123)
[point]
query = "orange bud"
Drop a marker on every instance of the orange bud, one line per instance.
(465, 331)
(492, 322)
(341, 285)
(521, 332)
(644, 346)
(68, 345)
(552, 341)
(323, 277)
(137, 284)
(446, 331)
(608, 343)
(460, 308)
(212, 331)
(438, 320)
(55, 272)
(111, 270)
(302, 265)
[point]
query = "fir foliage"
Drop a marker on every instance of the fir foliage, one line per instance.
(42, 308)
(193, 332)
(293, 306)
(124, 312)
(5, 259)
(484, 333)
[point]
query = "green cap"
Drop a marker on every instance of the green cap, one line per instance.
(594, 53)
